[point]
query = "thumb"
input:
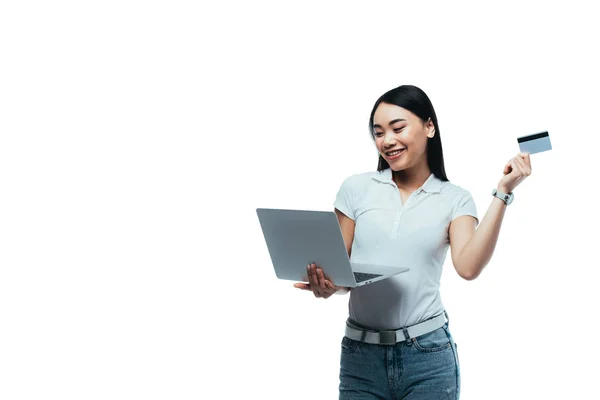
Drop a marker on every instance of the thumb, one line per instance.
(303, 286)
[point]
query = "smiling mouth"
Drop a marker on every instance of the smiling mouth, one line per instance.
(394, 153)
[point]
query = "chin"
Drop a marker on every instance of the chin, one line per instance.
(398, 169)
(397, 166)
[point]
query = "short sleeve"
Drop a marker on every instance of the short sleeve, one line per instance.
(344, 200)
(465, 206)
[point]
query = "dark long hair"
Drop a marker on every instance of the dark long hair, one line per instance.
(416, 101)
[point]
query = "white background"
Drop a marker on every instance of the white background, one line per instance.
(138, 138)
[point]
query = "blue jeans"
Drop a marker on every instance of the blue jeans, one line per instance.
(425, 368)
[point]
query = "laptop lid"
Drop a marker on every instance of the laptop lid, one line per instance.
(295, 238)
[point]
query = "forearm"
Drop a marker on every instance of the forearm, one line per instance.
(477, 253)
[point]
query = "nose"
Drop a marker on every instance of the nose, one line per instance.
(388, 139)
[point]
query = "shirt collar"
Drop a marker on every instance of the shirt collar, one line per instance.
(432, 184)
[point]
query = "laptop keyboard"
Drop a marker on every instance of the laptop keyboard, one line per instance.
(362, 276)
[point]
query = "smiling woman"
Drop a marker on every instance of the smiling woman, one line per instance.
(398, 342)
(403, 117)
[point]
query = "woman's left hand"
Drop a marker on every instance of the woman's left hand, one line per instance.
(516, 170)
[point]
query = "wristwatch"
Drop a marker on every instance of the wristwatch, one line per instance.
(507, 198)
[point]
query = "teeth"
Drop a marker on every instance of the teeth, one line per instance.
(393, 153)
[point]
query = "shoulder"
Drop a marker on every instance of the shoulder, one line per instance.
(360, 180)
(452, 190)
(459, 200)
(350, 196)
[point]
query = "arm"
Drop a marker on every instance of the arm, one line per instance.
(472, 248)
(347, 225)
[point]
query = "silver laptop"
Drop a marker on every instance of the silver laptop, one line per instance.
(295, 238)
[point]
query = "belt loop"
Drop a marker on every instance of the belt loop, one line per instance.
(406, 335)
(362, 336)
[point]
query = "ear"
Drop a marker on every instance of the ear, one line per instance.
(430, 128)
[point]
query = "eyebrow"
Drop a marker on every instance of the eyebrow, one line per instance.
(391, 122)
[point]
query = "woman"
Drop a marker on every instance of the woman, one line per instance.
(397, 343)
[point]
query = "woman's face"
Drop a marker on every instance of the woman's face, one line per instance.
(400, 136)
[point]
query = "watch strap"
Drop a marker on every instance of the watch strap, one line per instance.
(505, 197)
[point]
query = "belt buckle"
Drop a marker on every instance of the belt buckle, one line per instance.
(387, 338)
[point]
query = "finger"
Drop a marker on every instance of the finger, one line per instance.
(312, 275)
(313, 279)
(524, 157)
(331, 287)
(507, 168)
(325, 275)
(514, 167)
(303, 286)
(330, 282)
(523, 166)
(322, 279)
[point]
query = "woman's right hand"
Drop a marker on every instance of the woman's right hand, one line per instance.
(319, 283)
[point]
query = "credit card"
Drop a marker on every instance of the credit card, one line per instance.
(536, 143)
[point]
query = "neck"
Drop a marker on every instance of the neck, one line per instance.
(412, 178)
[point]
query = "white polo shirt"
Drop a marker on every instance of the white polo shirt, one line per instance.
(414, 234)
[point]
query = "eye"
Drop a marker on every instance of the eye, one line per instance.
(398, 130)
(378, 133)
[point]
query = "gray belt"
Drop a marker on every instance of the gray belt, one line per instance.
(399, 335)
